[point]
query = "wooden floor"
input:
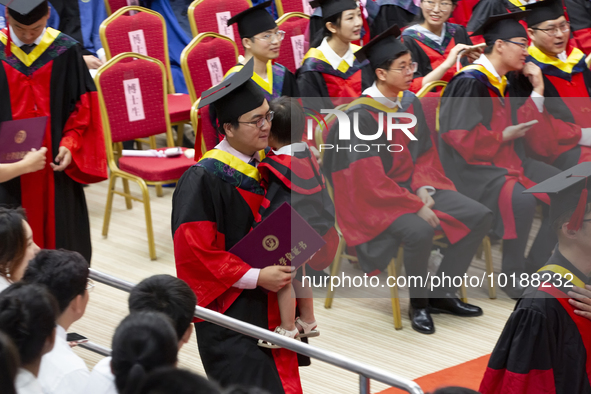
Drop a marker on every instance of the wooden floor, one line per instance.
(359, 328)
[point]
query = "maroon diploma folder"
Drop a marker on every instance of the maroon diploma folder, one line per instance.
(17, 137)
(283, 238)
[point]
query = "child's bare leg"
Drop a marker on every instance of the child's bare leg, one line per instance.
(305, 300)
(287, 306)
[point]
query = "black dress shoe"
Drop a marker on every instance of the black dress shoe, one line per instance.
(451, 304)
(515, 292)
(421, 320)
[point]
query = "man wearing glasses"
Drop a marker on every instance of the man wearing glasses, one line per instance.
(482, 150)
(214, 206)
(389, 197)
(563, 139)
(261, 40)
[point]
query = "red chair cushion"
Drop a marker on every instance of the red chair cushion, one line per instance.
(156, 169)
(116, 4)
(296, 6)
(210, 133)
(179, 107)
(293, 26)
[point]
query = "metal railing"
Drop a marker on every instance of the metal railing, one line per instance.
(365, 372)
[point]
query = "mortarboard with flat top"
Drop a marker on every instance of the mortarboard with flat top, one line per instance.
(254, 20)
(568, 191)
(334, 7)
(382, 47)
(26, 12)
(541, 11)
(234, 96)
(502, 27)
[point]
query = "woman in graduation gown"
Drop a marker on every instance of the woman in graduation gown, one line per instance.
(51, 79)
(331, 70)
(482, 152)
(214, 206)
(261, 39)
(436, 43)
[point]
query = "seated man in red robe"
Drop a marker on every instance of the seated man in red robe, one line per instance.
(43, 74)
(393, 192)
(545, 346)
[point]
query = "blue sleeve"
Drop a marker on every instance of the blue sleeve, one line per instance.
(92, 13)
(54, 18)
(2, 18)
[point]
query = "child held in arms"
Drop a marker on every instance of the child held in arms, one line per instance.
(290, 173)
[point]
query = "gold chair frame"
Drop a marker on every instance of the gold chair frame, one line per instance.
(169, 81)
(113, 167)
(185, 63)
(195, 122)
(191, 15)
(283, 17)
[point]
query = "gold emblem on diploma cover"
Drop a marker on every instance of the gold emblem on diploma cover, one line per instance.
(20, 137)
(270, 243)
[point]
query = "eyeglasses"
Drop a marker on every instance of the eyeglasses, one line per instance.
(280, 34)
(521, 44)
(410, 69)
(443, 6)
(89, 285)
(553, 31)
(261, 122)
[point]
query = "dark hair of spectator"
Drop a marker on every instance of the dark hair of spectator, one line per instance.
(289, 121)
(388, 63)
(454, 390)
(27, 316)
(335, 20)
(245, 390)
(143, 342)
(178, 381)
(168, 295)
(13, 244)
(565, 218)
(64, 273)
(9, 362)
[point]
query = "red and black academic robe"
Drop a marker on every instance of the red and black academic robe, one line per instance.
(298, 181)
(579, 15)
(374, 188)
(318, 81)
(53, 81)
(214, 206)
(487, 8)
(474, 112)
(429, 54)
(545, 347)
(567, 89)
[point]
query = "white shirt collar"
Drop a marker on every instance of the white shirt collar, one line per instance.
(431, 35)
(291, 148)
(562, 56)
(60, 332)
(375, 93)
(483, 61)
(332, 57)
(225, 146)
(19, 43)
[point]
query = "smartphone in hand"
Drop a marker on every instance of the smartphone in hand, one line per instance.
(76, 338)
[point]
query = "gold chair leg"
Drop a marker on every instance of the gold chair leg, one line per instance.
(109, 205)
(463, 293)
(126, 191)
(492, 293)
(159, 192)
(336, 266)
(148, 212)
(394, 296)
(180, 132)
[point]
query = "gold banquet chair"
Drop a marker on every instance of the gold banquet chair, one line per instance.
(132, 97)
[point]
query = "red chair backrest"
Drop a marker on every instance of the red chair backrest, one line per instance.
(211, 16)
(116, 37)
(151, 79)
(200, 64)
(115, 5)
(294, 25)
(287, 6)
(211, 137)
(430, 102)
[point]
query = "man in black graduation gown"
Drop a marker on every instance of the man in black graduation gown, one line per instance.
(214, 206)
(545, 346)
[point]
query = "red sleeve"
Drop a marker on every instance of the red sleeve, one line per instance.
(83, 136)
(428, 171)
(367, 201)
(477, 145)
(416, 84)
(324, 257)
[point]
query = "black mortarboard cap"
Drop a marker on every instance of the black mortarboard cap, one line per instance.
(568, 192)
(26, 12)
(382, 47)
(254, 20)
(541, 11)
(502, 27)
(333, 7)
(234, 96)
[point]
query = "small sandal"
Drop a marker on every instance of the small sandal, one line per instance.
(281, 331)
(309, 329)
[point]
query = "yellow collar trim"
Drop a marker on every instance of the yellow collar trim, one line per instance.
(317, 54)
(573, 59)
(494, 81)
(372, 102)
(47, 39)
(563, 272)
(234, 162)
(517, 3)
(268, 86)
